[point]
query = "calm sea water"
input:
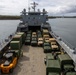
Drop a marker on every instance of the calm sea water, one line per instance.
(7, 27)
(64, 27)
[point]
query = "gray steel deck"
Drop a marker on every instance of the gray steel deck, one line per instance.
(32, 62)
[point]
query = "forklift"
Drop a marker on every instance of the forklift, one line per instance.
(10, 60)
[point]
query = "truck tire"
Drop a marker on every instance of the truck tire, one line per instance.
(11, 70)
(1, 72)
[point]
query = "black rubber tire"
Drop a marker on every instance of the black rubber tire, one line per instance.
(1, 71)
(11, 70)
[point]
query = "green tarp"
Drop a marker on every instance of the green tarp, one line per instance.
(49, 56)
(33, 43)
(46, 44)
(69, 67)
(28, 38)
(27, 42)
(38, 31)
(39, 35)
(28, 35)
(34, 39)
(23, 36)
(18, 38)
(15, 45)
(64, 59)
(29, 32)
(53, 73)
(53, 66)
(71, 73)
(47, 49)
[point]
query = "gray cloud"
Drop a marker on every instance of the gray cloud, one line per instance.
(14, 7)
(68, 9)
(71, 9)
(1, 6)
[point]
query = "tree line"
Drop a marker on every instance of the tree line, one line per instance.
(5, 17)
(50, 17)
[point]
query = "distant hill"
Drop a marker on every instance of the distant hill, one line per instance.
(6, 17)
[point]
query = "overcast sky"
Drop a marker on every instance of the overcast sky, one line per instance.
(54, 7)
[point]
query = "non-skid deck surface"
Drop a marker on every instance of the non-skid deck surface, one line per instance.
(32, 62)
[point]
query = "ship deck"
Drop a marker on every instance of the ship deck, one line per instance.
(32, 62)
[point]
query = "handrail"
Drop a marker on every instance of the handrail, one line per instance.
(67, 43)
(6, 41)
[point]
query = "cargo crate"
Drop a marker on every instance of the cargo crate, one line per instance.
(34, 39)
(55, 48)
(47, 49)
(58, 53)
(34, 36)
(68, 67)
(40, 41)
(28, 38)
(39, 35)
(49, 56)
(64, 59)
(18, 38)
(16, 51)
(46, 40)
(46, 36)
(15, 45)
(38, 31)
(28, 35)
(70, 73)
(27, 42)
(52, 40)
(23, 36)
(29, 32)
(34, 43)
(45, 31)
(53, 73)
(33, 33)
(46, 44)
(53, 66)
(53, 43)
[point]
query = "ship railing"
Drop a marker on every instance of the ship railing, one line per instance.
(6, 41)
(70, 50)
(61, 39)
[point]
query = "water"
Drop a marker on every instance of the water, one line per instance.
(64, 27)
(7, 27)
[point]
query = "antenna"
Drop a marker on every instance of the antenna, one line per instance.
(29, 5)
(34, 5)
(29, 9)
